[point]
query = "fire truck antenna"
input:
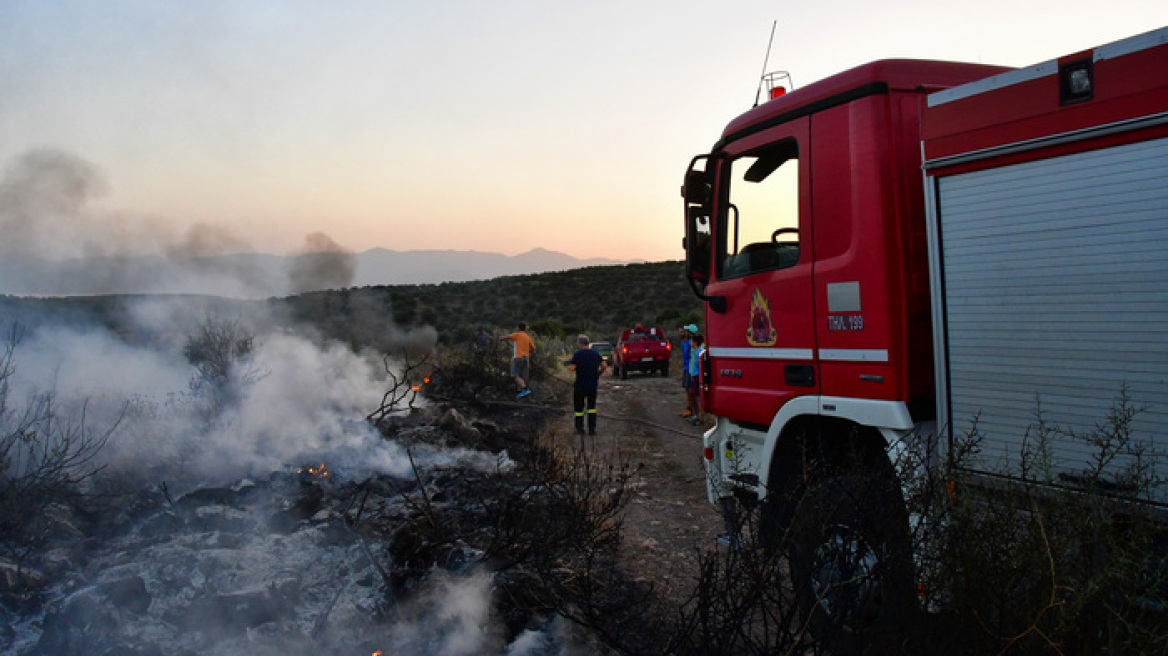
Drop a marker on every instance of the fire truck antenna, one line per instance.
(764, 62)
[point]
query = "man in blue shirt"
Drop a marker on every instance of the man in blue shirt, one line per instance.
(588, 365)
(687, 332)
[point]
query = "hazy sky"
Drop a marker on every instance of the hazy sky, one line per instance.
(409, 124)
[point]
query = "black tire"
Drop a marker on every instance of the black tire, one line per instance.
(624, 371)
(665, 370)
(851, 564)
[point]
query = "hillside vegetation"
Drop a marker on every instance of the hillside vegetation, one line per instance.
(599, 301)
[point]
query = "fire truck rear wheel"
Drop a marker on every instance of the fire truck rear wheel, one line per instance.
(851, 563)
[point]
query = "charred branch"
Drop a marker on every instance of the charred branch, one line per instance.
(405, 378)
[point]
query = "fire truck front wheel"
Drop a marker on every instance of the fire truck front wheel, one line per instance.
(851, 563)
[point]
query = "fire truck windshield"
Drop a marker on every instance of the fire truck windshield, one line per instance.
(758, 229)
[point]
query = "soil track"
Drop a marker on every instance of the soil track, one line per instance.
(669, 521)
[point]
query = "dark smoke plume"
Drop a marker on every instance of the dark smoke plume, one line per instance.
(43, 195)
(323, 265)
(53, 242)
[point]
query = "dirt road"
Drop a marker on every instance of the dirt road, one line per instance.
(669, 522)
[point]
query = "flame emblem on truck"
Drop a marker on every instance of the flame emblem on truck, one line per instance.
(761, 331)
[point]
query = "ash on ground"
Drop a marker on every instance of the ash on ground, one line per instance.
(304, 560)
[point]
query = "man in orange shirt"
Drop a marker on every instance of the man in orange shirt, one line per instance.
(521, 360)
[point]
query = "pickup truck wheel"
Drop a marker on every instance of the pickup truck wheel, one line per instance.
(665, 370)
(624, 371)
(851, 563)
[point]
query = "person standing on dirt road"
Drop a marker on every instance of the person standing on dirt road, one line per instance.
(686, 349)
(695, 379)
(521, 358)
(588, 365)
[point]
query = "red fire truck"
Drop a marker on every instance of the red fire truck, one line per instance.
(907, 247)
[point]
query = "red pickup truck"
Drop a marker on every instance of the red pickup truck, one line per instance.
(641, 349)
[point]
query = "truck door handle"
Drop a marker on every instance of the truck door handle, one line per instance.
(799, 375)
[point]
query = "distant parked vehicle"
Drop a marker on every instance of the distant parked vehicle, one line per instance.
(605, 351)
(641, 349)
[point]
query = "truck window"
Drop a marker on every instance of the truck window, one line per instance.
(760, 223)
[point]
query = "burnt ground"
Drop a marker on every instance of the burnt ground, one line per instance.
(668, 522)
(296, 558)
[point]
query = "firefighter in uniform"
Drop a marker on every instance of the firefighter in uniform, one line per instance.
(588, 365)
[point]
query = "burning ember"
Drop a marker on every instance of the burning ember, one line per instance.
(319, 470)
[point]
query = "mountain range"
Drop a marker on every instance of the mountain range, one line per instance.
(253, 275)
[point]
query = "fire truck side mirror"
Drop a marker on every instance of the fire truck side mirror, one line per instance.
(697, 241)
(696, 190)
(698, 194)
(697, 254)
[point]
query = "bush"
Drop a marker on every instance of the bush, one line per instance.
(1077, 568)
(547, 328)
(1020, 567)
(547, 521)
(45, 457)
(473, 371)
(221, 353)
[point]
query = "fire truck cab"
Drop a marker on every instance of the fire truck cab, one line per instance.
(852, 240)
(806, 236)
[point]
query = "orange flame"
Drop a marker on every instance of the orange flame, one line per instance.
(314, 471)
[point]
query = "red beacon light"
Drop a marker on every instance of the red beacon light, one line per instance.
(775, 86)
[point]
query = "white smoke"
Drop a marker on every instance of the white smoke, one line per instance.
(307, 399)
(452, 618)
(298, 401)
(93, 364)
(555, 640)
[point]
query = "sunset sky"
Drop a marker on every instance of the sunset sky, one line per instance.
(498, 126)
